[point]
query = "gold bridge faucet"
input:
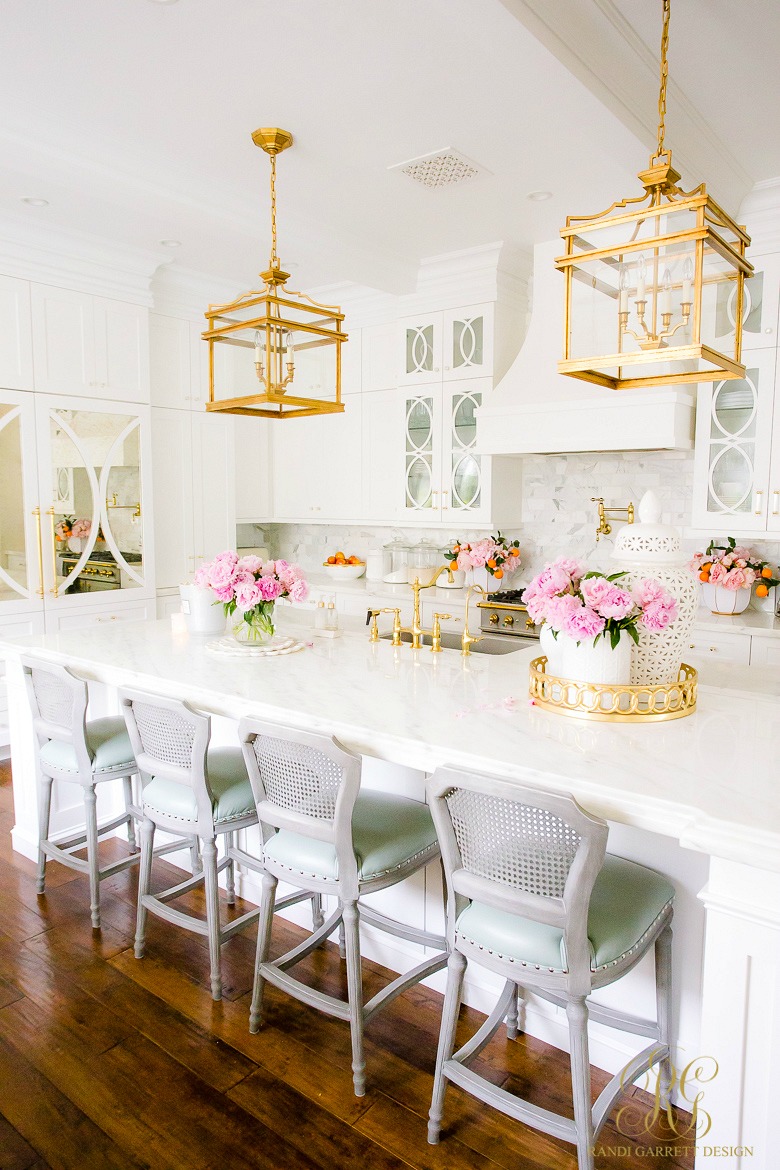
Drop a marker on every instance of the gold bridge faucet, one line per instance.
(607, 514)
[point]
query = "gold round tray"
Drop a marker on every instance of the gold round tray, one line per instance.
(645, 703)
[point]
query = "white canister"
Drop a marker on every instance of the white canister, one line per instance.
(377, 564)
(202, 613)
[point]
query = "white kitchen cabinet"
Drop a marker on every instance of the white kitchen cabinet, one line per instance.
(379, 357)
(759, 308)
(383, 468)
(451, 345)
(318, 466)
(254, 487)
(17, 626)
(764, 651)
(16, 361)
(89, 346)
(728, 647)
(194, 485)
(732, 489)
(178, 358)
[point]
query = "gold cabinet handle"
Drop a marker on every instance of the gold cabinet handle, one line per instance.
(53, 590)
(776, 502)
(37, 514)
(757, 506)
(445, 495)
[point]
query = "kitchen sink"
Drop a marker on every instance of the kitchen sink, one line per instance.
(488, 644)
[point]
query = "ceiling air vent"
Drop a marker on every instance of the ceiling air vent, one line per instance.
(443, 168)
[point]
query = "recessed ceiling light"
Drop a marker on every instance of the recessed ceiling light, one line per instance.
(169, 243)
(539, 196)
(35, 201)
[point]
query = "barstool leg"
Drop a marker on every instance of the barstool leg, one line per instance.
(577, 1014)
(44, 813)
(195, 858)
(663, 992)
(93, 861)
(144, 884)
(212, 913)
(351, 921)
(512, 1017)
(456, 969)
(342, 940)
(317, 917)
(264, 923)
(230, 870)
(128, 787)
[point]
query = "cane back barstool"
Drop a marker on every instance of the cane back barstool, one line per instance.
(192, 790)
(533, 895)
(322, 834)
(72, 749)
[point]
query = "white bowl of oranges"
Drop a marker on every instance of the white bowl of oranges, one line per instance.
(344, 568)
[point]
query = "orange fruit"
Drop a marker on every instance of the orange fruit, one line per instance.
(491, 563)
(456, 548)
(498, 573)
(331, 560)
(515, 552)
(762, 590)
(704, 576)
(706, 566)
(766, 572)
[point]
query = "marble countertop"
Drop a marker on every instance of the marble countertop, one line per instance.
(708, 780)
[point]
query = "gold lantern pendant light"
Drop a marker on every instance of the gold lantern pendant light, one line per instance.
(270, 341)
(655, 284)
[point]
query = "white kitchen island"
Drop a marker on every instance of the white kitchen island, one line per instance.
(706, 784)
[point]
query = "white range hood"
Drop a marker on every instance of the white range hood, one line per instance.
(534, 409)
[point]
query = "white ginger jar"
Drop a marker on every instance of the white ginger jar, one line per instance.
(650, 549)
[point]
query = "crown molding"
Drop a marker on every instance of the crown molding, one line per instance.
(77, 260)
(488, 272)
(362, 305)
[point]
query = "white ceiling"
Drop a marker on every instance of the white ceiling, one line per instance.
(133, 119)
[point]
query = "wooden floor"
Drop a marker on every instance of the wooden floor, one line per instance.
(107, 1061)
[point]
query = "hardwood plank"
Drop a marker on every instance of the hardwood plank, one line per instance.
(50, 1122)
(15, 1152)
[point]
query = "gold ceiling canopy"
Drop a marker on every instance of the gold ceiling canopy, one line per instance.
(270, 339)
(654, 284)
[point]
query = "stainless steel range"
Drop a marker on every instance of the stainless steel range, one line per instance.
(504, 613)
(100, 571)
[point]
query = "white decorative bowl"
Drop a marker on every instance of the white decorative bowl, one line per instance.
(345, 572)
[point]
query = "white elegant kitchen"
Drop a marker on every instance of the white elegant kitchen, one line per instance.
(361, 380)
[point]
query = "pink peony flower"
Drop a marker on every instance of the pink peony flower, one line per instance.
(648, 590)
(718, 574)
(248, 593)
(657, 615)
(574, 569)
(251, 562)
(202, 576)
(82, 528)
(269, 587)
(559, 610)
(605, 597)
(583, 623)
(465, 561)
(222, 572)
(482, 551)
(735, 579)
(223, 592)
(299, 590)
(550, 581)
(742, 553)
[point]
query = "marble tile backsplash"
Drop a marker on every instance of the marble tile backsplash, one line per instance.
(557, 514)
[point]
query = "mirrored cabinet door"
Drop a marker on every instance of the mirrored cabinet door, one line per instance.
(20, 516)
(468, 342)
(759, 307)
(464, 492)
(422, 489)
(91, 465)
(421, 349)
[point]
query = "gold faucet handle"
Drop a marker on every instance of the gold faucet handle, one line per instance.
(396, 623)
(438, 618)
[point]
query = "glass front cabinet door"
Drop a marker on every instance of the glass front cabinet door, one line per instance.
(733, 448)
(468, 342)
(759, 307)
(444, 478)
(21, 566)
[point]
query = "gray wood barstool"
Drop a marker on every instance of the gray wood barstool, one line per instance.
(533, 895)
(323, 835)
(77, 751)
(192, 790)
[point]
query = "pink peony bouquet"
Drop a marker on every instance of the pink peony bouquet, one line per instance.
(588, 606)
(69, 526)
(252, 587)
(733, 566)
(495, 553)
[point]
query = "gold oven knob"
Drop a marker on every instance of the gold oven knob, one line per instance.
(494, 619)
(509, 620)
(529, 623)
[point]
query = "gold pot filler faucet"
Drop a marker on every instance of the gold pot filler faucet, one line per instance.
(609, 513)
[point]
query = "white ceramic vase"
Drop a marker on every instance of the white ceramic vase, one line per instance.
(725, 601)
(599, 663)
(550, 646)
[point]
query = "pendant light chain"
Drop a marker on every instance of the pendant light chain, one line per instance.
(664, 77)
(274, 257)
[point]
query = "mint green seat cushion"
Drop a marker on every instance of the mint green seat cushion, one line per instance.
(108, 742)
(387, 831)
(627, 899)
(229, 783)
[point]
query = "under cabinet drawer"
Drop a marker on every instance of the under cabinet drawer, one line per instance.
(132, 612)
(765, 652)
(733, 648)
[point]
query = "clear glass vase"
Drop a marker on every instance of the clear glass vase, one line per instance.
(256, 626)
